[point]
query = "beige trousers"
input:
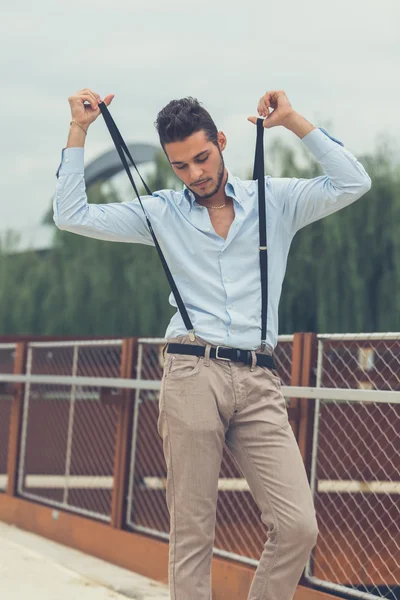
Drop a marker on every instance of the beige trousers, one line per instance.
(203, 404)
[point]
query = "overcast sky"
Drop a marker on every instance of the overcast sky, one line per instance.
(338, 62)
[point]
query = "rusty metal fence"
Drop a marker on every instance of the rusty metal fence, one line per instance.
(89, 443)
(355, 475)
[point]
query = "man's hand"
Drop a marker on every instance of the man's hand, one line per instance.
(278, 103)
(282, 114)
(83, 113)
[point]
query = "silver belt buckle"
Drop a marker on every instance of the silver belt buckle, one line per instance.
(220, 357)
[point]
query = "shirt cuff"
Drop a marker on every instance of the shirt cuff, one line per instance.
(319, 142)
(72, 161)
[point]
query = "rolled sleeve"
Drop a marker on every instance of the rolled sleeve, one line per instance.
(72, 162)
(319, 142)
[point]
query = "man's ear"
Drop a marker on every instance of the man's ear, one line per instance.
(222, 141)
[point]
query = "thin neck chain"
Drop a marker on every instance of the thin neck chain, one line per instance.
(221, 206)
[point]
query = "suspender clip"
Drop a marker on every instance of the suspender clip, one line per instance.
(192, 336)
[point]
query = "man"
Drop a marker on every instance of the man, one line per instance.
(209, 235)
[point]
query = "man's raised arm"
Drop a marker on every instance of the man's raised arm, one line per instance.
(118, 221)
(304, 201)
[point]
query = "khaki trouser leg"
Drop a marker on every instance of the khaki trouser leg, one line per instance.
(262, 441)
(201, 401)
(269, 457)
(193, 440)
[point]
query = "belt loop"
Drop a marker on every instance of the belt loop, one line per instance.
(253, 360)
(207, 355)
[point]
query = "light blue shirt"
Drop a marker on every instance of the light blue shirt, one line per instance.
(218, 279)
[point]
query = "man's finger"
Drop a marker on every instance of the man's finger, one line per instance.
(108, 99)
(254, 120)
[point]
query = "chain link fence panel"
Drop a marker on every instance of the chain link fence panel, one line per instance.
(69, 432)
(356, 469)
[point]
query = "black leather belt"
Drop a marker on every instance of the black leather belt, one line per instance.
(223, 353)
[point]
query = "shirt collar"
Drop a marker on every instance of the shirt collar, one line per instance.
(231, 189)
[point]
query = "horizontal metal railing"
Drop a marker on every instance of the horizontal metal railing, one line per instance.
(288, 391)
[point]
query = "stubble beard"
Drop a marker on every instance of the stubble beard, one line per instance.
(220, 176)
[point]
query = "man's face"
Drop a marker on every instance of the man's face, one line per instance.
(198, 163)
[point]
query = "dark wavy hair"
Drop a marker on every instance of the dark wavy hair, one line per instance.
(181, 118)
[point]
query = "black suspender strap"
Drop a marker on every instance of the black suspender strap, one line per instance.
(258, 174)
(121, 148)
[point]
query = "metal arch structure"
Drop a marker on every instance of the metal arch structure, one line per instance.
(109, 164)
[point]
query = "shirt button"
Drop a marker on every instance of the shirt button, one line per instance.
(208, 229)
(66, 160)
(230, 306)
(232, 331)
(227, 279)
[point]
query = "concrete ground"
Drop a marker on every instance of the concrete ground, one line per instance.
(34, 568)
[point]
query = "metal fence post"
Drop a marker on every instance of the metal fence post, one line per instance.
(123, 435)
(306, 406)
(16, 421)
(295, 379)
